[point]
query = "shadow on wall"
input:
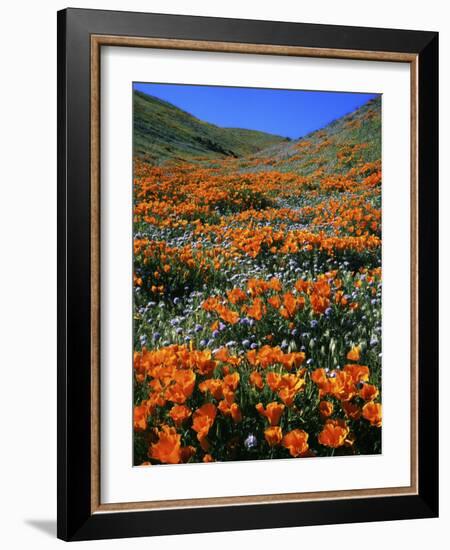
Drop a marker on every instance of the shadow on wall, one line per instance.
(46, 526)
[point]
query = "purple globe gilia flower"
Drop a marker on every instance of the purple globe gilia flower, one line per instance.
(374, 342)
(156, 336)
(294, 332)
(222, 326)
(198, 328)
(328, 311)
(215, 334)
(253, 346)
(250, 442)
(179, 330)
(313, 323)
(246, 343)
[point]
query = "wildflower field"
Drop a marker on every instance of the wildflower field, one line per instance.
(257, 297)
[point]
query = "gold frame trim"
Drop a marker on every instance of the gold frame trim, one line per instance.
(97, 41)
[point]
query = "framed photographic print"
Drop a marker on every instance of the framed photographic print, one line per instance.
(247, 251)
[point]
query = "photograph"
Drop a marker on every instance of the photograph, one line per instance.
(257, 274)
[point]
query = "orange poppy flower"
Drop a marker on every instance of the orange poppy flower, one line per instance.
(252, 357)
(273, 435)
(326, 408)
(296, 441)
(319, 303)
(201, 361)
(291, 305)
(275, 301)
(351, 409)
(256, 380)
(358, 373)
(334, 433)
(222, 354)
(272, 412)
(168, 448)
(181, 390)
(231, 380)
(302, 286)
(372, 412)
(236, 295)
(204, 417)
(354, 354)
(289, 387)
(208, 458)
(322, 288)
(368, 392)
(227, 315)
(273, 380)
(140, 417)
(274, 284)
(214, 386)
(257, 309)
(179, 414)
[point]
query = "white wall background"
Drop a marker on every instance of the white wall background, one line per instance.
(28, 270)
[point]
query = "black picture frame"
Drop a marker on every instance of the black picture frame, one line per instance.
(75, 518)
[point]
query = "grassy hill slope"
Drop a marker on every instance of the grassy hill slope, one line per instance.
(163, 131)
(352, 139)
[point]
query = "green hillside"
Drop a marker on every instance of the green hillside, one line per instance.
(163, 131)
(351, 139)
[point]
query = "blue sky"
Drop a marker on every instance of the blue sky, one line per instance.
(289, 113)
